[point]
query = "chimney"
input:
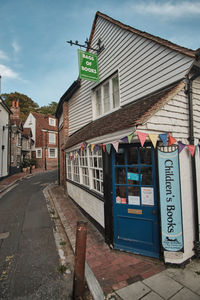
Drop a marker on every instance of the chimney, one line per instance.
(15, 110)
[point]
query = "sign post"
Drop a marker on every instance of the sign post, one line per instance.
(170, 201)
(88, 66)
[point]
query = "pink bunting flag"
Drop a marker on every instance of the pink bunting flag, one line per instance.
(153, 137)
(142, 137)
(116, 145)
(191, 148)
(171, 140)
(104, 147)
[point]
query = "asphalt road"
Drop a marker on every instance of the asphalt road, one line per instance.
(28, 255)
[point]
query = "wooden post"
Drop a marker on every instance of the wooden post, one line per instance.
(79, 268)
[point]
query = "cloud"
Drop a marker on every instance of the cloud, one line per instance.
(7, 72)
(16, 47)
(3, 55)
(169, 8)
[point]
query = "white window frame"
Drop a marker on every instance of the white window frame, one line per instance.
(49, 153)
(52, 138)
(111, 98)
(37, 150)
(52, 122)
(86, 168)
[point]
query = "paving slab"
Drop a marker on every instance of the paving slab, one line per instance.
(152, 296)
(185, 294)
(163, 285)
(134, 291)
(187, 278)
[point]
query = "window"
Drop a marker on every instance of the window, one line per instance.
(106, 97)
(96, 166)
(19, 140)
(39, 153)
(52, 138)
(86, 168)
(52, 152)
(52, 122)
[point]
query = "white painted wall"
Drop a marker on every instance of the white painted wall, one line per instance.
(92, 205)
(4, 135)
(31, 123)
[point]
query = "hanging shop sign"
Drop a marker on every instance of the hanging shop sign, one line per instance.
(170, 200)
(88, 66)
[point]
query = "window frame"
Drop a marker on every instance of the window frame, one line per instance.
(49, 151)
(39, 149)
(100, 111)
(52, 122)
(87, 169)
(52, 141)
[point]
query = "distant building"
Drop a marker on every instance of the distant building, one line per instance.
(45, 136)
(5, 113)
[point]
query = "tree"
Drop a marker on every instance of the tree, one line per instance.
(26, 104)
(49, 109)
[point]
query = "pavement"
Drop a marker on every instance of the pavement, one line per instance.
(112, 274)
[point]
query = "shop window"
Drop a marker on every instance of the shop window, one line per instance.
(106, 97)
(84, 168)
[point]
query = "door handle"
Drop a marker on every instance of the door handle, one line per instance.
(154, 212)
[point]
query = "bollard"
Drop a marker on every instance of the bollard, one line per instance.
(80, 251)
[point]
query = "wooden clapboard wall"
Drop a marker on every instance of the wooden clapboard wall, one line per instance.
(144, 67)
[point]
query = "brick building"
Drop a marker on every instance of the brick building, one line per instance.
(45, 136)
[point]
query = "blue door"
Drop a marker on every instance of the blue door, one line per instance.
(134, 200)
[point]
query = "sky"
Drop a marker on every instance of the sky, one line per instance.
(35, 59)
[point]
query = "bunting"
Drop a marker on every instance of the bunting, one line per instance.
(154, 139)
(125, 139)
(191, 148)
(130, 136)
(164, 137)
(171, 140)
(116, 145)
(142, 137)
(181, 146)
(92, 147)
(108, 148)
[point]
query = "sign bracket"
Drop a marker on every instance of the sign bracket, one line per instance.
(99, 44)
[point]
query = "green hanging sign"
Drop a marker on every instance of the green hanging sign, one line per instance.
(88, 66)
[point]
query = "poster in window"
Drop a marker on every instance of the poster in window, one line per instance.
(147, 196)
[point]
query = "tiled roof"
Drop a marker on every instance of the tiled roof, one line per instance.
(43, 121)
(133, 114)
(166, 43)
(27, 132)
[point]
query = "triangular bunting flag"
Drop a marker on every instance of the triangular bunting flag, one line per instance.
(88, 145)
(181, 146)
(92, 147)
(130, 136)
(116, 145)
(108, 148)
(104, 147)
(163, 138)
(171, 140)
(124, 139)
(142, 137)
(96, 148)
(191, 148)
(153, 137)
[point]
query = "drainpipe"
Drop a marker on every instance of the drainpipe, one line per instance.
(191, 141)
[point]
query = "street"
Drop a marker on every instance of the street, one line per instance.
(28, 254)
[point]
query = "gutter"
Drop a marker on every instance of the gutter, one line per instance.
(194, 168)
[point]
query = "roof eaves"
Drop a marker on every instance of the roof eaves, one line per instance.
(67, 95)
(163, 42)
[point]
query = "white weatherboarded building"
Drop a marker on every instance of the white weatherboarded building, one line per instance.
(148, 91)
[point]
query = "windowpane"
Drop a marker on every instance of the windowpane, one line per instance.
(132, 156)
(145, 156)
(98, 102)
(52, 138)
(120, 175)
(115, 87)
(119, 157)
(147, 176)
(106, 99)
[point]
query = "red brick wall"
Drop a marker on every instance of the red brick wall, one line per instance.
(63, 133)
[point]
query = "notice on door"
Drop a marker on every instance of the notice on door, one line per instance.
(147, 196)
(133, 200)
